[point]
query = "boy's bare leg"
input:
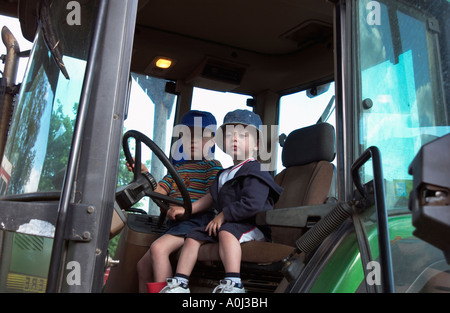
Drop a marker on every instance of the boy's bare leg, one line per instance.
(230, 252)
(161, 268)
(188, 256)
(160, 252)
(145, 272)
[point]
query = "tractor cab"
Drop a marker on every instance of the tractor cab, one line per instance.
(348, 91)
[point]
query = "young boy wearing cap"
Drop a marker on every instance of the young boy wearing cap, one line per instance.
(238, 193)
(198, 171)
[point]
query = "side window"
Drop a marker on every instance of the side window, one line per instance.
(43, 120)
(150, 111)
(305, 108)
(402, 69)
(219, 104)
(401, 105)
(13, 25)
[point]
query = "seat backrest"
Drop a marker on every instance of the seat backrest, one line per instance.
(307, 155)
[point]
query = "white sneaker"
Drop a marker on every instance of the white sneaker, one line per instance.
(173, 286)
(227, 286)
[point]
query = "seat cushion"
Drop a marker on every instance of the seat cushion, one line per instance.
(260, 252)
(303, 185)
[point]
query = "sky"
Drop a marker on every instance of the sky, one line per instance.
(14, 26)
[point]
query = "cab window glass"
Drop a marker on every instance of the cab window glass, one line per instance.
(304, 109)
(402, 60)
(151, 111)
(43, 120)
(401, 105)
(219, 104)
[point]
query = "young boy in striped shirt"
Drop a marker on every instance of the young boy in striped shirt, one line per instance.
(197, 170)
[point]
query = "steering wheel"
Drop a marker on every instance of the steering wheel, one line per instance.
(144, 184)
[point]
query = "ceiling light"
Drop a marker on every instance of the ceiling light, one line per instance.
(163, 63)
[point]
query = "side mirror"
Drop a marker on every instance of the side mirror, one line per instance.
(429, 199)
(317, 90)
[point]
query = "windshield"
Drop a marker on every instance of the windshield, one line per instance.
(403, 86)
(310, 108)
(403, 55)
(151, 111)
(43, 119)
(222, 103)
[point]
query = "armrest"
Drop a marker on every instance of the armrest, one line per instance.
(294, 216)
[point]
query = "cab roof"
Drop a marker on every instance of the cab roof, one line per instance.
(246, 47)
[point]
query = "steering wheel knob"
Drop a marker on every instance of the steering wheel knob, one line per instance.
(151, 180)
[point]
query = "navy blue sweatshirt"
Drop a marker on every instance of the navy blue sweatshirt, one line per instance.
(249, 192)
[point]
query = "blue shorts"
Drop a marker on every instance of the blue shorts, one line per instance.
(177, 228)
(235, 228)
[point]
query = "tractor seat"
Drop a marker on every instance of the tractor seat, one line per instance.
(307, 182)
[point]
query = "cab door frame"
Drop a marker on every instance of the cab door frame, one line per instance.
(82, 211)
(346, 151)
(95, 168)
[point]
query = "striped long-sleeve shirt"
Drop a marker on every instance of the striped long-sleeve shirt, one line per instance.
(196, 175)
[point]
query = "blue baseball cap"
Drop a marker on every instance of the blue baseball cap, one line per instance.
(195, 118)
(244, 117)
(201, 119)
